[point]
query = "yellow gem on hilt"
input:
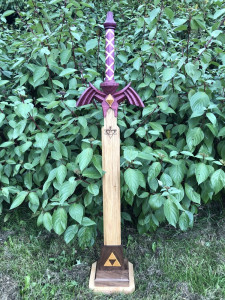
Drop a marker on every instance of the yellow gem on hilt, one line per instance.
(109, 99)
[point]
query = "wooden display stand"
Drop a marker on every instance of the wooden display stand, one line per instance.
(111, 273)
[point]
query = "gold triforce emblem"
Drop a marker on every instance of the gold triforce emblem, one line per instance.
(112, 261)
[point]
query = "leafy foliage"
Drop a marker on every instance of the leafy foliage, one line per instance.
(173, 151)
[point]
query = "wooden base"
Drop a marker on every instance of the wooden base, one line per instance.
(107, 287)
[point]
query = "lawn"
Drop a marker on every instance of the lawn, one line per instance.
(168, 264)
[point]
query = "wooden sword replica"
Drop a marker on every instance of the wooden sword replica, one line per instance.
(111, 273)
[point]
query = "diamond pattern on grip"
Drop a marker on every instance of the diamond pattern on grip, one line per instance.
(109, 51)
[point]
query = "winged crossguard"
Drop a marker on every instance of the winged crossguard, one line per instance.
(109, 97)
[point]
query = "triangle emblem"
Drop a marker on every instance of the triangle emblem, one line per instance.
(112, 261)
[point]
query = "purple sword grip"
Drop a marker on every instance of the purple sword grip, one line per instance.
(110, 26)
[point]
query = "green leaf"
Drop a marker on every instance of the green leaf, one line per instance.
(130, 155)
(149, 109)
(3, 82)
(39, 72)
(154, 170)
(156, 201)
(61, 174)
(23, 109)
(41, 140)
(166, 180)
(8, 13)
(171, 212)
(192, 71)
(199, 101)
(59, 220)
(65, 56)
(179, 22)
(19, 199)
(201, 172)
(28, 179)
(97, 162)
(82, 121)
(221, 132)
(91, 44)
(67, 72)
(56, 156)
(47, 221)
(219, 13)
(2, 117)
(70, 233)
(24, 147)
(87, 222)
(218, 180)
(169, 13)
(5, 14)
(77, 35)
(169, 73)
(194, 137)
(60, 148)
(128, 132)
(67, 189)
(141, 179)
(156, 126)
(6, 144)
(91, 173)
(52, 174)
(76, 212)
(184, 221)
(58, 83)
(154, 13)
(52, 104)
(85, 237)
(72, 84)
(141, 132)
(40, 219)
(33, 201)
(84, 158)
(177, 172)
(137, 63)
(88, 199)
(192, 195)
(93, 189)
(122, 58)
(132, 180)
(212, 118)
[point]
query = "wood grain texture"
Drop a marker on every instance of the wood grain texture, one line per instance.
(111, 180)
(112, 289)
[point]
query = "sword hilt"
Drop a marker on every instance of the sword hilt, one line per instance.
(110, 26)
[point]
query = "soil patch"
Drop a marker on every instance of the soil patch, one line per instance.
(79, 273)
(9, 289)
(4, 236)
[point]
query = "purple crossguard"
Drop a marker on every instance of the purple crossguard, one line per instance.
(109, 98)
(110, 26)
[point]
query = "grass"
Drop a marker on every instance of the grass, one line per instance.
(36, 264)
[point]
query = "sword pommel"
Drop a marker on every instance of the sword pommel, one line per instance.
(109, 22)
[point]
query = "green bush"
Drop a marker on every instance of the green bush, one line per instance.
(172, 151)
